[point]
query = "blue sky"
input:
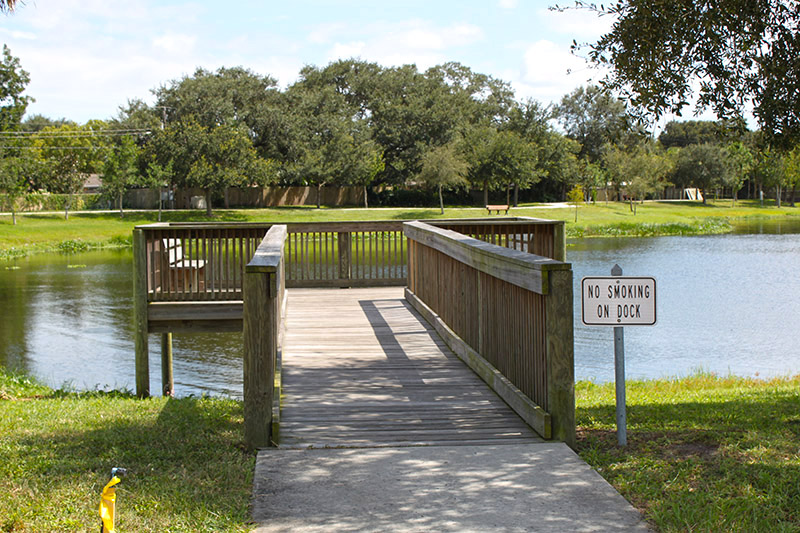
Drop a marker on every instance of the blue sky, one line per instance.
(88, 57)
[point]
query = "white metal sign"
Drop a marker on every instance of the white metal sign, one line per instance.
(618, 301)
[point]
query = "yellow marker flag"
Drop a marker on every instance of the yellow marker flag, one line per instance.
(108, 501)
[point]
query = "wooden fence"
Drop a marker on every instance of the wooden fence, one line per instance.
(507, 313)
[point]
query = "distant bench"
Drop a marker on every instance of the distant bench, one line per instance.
(497, 208)
(184, 274)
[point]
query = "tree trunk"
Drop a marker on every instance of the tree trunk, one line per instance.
(778, 195)
(516, 194)
(441, 202)
(227, 202)
(319, 195)
(485, 192)
(119, 199)
(66, 206)
(508, 194)
(160, 202)
(208, 203)
(791, 199)
(366, 204)
(13, 216)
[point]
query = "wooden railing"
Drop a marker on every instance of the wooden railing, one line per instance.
(506, 312)
(206, 262)
(531, 235)
(346, 254)
(263, 291)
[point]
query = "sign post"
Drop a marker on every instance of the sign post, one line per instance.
(619, 376)
(618, 301)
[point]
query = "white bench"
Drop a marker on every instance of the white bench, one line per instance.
(185, 275)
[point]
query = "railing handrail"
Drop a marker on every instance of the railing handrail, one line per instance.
(270, 252)
(293, 226)
(503, 263)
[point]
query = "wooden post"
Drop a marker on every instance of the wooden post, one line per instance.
(560, 356)
(167, 381)
(140, 313)
(559, 242)
(345, 255)
(259, 329)
(261, 291)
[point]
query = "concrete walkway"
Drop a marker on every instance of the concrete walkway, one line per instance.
(512, 487)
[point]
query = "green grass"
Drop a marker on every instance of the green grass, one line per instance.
(188, 470)
(51, 233)
(704, 453)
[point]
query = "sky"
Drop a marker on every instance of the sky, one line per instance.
(86, 58)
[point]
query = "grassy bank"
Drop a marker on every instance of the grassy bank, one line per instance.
(705, 453)
(187, 468)
(46, 233)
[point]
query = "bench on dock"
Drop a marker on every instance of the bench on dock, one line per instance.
(188, 274)
(497, 208)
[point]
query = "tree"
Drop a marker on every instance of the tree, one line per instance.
(14, 172)
(594, 118)
(157, 177)
(575, 197)
(683, 133)
(367, 162)
(769, 170)
(119, 169)
(6, 6)
(13, 81)
(792, 171)
(211, 159)
(741, 161)
(235, 97)
(497, 159)
(642, 171)
(705, 166)
(738, 52)
(443, 166)
(72, 154)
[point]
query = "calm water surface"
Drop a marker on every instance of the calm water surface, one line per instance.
(726, 304)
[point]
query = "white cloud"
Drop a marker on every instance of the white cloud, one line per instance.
(550, 71)
(174, 43)
(415, 41)
(508, 4)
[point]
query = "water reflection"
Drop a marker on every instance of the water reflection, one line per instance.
(68, 321)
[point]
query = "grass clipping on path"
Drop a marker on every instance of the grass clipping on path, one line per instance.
(704, 453)
(187, 468)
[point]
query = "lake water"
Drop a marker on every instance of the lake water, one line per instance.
(726, 304)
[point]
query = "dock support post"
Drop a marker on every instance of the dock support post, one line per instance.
(260, 315)
(560, 356)
(167, 381)
(140, 313)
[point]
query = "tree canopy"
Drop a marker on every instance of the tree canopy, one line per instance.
(737, 52)
(13, 80)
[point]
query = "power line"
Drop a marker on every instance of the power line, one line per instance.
(72, 134)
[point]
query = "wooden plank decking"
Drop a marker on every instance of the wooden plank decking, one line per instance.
(362, 369)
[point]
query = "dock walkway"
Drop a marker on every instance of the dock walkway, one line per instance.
(361, 368)
(383, 428)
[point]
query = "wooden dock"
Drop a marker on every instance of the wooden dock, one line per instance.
(361, 368)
